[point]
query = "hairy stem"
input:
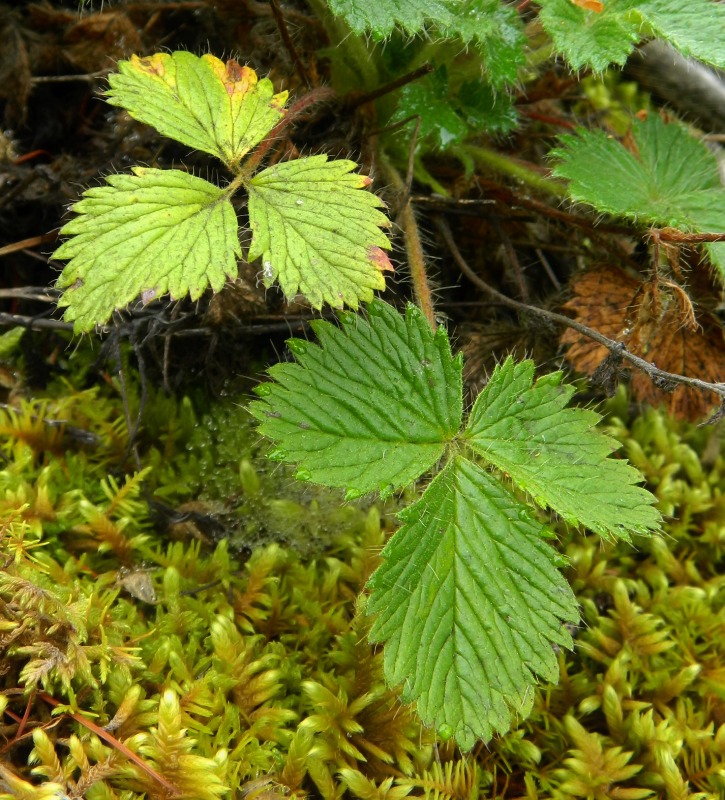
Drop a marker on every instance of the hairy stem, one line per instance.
(490, 159)
(413, 244)
(247, 169)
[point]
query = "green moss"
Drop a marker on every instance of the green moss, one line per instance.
(234, 660)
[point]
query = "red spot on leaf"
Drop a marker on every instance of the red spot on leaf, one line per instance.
(153, 65)
(380, 258)
(238, 79)
(235, 71)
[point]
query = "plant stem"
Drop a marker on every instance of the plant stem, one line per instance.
(422, 175)
(239, 179)
(289, 44)
(248, 167)
(409, 77)
(413, 244)
(513, 167)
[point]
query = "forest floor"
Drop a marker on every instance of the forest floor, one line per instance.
(265, 614)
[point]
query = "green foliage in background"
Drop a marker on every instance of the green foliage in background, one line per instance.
(671, 179)
(159, 232)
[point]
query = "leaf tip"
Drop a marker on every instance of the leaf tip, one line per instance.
(151, 65)
(379, 257)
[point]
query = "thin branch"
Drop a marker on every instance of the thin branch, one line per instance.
(25, 243)
(547, 268)
(88, 77)
(42, 294)
(513, 260)
(618, 349)
(34, 323)
(381, 91)
(289, 44)
(682, 237)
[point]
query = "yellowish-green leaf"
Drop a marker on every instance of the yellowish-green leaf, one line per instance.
(317, 232)
(222, 109)
(146, 234)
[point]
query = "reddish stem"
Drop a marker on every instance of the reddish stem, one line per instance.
(319, 95)
(110, 739)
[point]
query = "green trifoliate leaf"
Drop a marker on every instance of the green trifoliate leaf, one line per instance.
(317, 232)
(448, 116)
(380, 17)
(672, 180)
(219, 108)
(495, 30)
(597, 38)
(469, 602)
(148, 234)
(369, 409)
(555, 455)
(492, 27)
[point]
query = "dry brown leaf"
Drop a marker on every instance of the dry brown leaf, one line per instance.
(14, 68)
(697, 354)
(95, 42)
(602, 300)
(655, 323)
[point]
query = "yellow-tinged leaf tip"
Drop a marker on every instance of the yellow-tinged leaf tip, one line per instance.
(153, 65)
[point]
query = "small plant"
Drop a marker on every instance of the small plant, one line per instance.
(162, 232)
(469, 600)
